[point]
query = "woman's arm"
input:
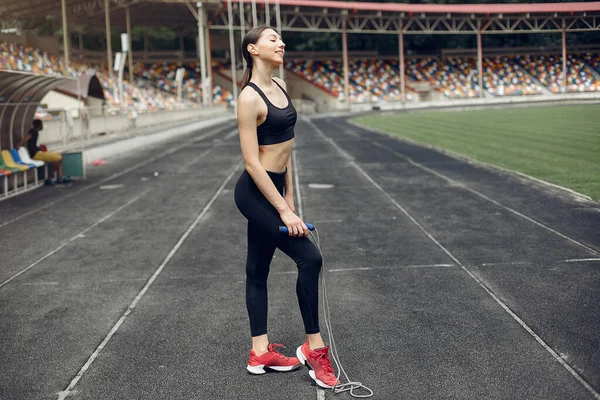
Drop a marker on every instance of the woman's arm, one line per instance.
(289, 189)
(247, 115)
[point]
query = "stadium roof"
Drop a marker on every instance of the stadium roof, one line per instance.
(447, 8)
(176, 13)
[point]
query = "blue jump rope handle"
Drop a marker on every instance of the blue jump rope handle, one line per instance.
(284, 229)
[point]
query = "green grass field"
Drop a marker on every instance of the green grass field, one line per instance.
(559, 144)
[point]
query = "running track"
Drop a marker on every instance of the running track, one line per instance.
(446, 280)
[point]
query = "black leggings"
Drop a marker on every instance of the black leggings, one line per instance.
(263, 238)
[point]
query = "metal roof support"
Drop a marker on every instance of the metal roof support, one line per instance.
(209, 78)
(479, 59)
(268, 14)
(108, 38)
(401, 50)
(232, 57)
(242, 27)
(345, 58)
(202, 54)
(65, 38)
(565, 73)
(254, 17)
(278, 18)
(369, 22)
(129, 48)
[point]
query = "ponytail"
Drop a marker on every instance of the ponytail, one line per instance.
(247, 76)
(250, 38)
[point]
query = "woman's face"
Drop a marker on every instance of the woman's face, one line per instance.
(270, 47)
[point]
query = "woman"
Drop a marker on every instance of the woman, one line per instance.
(264, 195)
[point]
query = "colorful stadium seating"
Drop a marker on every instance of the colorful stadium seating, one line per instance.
(593, 60)
(442, 77)
(163, 75)
(11, 163)
(370, 80)
(548, 70)
(20, 58)
(503, 76)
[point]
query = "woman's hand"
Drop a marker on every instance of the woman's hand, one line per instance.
(295, 225)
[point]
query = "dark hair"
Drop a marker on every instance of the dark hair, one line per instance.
(37, 124)
(251, 38)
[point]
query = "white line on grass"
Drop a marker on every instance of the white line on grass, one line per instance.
(67, 391)
(114, 176)
(75, 237)
(477, 280)
(581, 260)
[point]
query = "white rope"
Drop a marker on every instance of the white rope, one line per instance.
(342, 387)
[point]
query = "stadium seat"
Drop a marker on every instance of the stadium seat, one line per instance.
(24, 155)
(8, 170)
(5, 169)
(25, 158)
(17, 159)
(10, 162)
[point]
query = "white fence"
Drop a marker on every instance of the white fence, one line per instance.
(66, 127)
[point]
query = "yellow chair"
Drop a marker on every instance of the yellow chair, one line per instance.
(10, 162)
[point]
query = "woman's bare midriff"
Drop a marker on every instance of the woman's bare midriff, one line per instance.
(275, 157)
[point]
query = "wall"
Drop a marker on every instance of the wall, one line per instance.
(57, 134)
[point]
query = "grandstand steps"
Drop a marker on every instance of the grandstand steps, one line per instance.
(591, 70)
(543, 87)
(222, 79)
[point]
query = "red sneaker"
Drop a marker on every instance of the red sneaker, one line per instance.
(272, 359)
(319, 365)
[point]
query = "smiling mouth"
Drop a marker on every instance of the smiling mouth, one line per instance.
(279, 52)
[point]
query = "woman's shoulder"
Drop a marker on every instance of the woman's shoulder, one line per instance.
(248, 96)
(281, 82)
(250, 101)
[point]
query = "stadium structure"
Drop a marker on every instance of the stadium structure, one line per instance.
(93, 95)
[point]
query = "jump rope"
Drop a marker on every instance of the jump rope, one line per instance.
(342, 387)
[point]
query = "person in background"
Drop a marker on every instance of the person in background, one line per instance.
(30, 139)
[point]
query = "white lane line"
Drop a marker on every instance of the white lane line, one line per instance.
(391, 267)
(320, 393)
(76, 236)
(483, 196)
(114, 176)
(204, 153)
(522, 323)
(506, 263)
(295, 168)
(67, 391)
(573, 260)
(581, 260)
(231, 134)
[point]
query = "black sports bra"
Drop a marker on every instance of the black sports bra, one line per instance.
(279, 125)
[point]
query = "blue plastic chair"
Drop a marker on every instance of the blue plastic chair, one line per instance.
(15, 155)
